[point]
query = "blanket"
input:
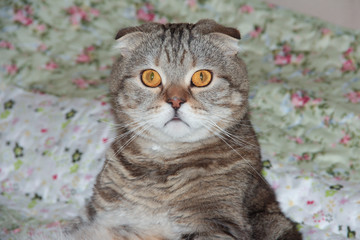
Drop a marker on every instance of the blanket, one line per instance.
(55, 121)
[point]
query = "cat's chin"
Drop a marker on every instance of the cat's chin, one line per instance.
(177, 129)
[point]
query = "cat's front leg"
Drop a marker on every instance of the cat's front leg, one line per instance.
(215, 236)
(273, 226)
(216, 229)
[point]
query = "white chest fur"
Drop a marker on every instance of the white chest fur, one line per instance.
(140, 223)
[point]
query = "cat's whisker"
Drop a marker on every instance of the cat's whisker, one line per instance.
(245, 161)
(234, 138)
(143, 126)
(132, 138)
(229, 145)
(133, 129)
(235, 122)
(130, 128)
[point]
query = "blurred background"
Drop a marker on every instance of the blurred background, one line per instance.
(343, 13)
(303, 61)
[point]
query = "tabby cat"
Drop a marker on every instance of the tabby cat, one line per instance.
(186, 162)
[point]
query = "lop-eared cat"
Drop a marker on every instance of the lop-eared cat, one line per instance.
(186, 162)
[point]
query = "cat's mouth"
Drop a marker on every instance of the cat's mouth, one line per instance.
(176, 119)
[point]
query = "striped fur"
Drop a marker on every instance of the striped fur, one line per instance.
(186, 173)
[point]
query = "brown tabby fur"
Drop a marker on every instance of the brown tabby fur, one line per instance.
(205, 188)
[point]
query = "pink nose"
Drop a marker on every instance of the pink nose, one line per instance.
(175, 102)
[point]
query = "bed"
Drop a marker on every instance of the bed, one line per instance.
(55, 121)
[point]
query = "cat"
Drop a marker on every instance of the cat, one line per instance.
(185, 163)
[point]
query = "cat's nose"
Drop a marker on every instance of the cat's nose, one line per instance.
(175, 102)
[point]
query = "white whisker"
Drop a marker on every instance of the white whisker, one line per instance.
(222, 138)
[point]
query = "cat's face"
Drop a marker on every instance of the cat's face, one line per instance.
(179, 82)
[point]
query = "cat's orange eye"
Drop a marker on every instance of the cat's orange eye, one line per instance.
(151, 78)
(201, 78)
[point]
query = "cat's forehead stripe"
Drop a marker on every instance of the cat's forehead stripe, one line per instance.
(174, 35)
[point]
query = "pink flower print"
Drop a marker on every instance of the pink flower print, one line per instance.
(325, 31)
(353, 97)
(40, 27)
(271, 5)
(102, 68)
(28, 10)
(343, 201)
(15, 121)
(49, 142)
(345, 139)
(5, 44)
(44, 130)
(319, 216)
(54, 177)
(256, 32)
(162, 20)
(191, 3)
(282, 60)
(306, 71)
(76, 128)
(51, 66)
(95, 12)
(319, 80)
(11, 69)
(80, 83)
(247, 9)
(327, 120)
(7, 186)
(65, 191)
(306, 156)
(348, 66)
(42, 47)
(30, 171)
(286, 49)
(298, 140)
(145, 15)
(88, 177)
(310, 202)
(275, 80)
(77, 15)
(316, 101)
(350, 50)
(298, 100)
(89, 49)
(275, 186)
(53, 225)
(21, 16)
(83, 58)
(299, 58)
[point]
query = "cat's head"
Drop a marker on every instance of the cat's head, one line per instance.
(179, 82)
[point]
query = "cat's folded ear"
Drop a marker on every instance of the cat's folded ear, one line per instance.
(127, 39)
(207, 26)
(227, 37)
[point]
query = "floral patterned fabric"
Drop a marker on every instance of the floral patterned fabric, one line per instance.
(305, 101)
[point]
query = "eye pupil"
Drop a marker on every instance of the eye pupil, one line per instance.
(201, 78)
(150, 78)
